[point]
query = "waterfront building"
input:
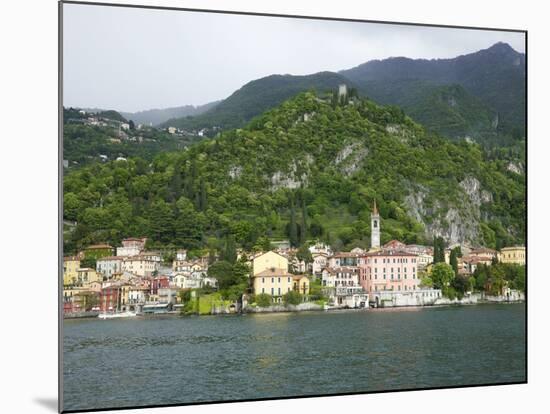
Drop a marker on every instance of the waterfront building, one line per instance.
(78, 299)
(278, 281)
(273, 281)
(267, 261)
(514, 255)
(388, 270)
(71, 264)
(342, 286)
(137, 295)
(167, 295)
(340, 276)
(108, 298)
(131, 246)
(109, 265)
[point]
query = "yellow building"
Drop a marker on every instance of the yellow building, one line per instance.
(274, 282)
(86, 275)
(515, 255)
(301, 284)
(71, 264)
(269, 260)
(79, 299)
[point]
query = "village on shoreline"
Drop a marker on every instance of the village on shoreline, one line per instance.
(129, 280)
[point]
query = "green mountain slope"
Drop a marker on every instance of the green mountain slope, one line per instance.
(308, 169)
(446, 109)
(256, 97)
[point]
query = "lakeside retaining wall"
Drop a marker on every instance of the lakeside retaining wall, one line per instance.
(306, 306)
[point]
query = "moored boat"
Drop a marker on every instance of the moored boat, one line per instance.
(116, 315)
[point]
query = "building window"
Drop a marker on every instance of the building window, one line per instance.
(272, 291)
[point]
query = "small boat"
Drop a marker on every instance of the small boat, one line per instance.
(116, 315)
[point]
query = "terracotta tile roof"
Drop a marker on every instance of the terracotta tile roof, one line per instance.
(394, 253)
(99, 246)
(110, 258)
(273, 272)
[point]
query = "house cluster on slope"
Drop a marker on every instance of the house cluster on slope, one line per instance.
(134, 279)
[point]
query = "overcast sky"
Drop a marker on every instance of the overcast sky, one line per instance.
(134, 59)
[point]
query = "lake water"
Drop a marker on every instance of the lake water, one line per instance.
(174, 360)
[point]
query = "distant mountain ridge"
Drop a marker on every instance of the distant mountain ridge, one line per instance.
(479, 95)
(155, 117)
(496, 76)
(256, 97)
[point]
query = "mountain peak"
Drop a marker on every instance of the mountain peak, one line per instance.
(501, 48)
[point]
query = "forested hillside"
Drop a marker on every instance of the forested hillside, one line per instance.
(308, 169)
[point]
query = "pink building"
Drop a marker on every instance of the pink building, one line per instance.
(388, 270)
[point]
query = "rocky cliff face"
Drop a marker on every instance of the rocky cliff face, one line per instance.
(456, 222)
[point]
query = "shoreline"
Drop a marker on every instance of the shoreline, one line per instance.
(368, 309)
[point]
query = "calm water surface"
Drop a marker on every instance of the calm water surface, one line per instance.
(171, 360)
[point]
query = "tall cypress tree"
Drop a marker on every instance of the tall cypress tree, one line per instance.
(439, 250)
(230, 250)
(203, 200)
(453, 261)
(293, 230)
(303, 227)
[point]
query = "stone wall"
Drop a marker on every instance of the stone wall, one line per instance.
(306, 306)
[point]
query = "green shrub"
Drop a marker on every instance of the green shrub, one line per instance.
(263, 300)
(292, 298)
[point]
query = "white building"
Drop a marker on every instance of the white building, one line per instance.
(137, 296)
(110, 265)
(320, 261)
(187, 281)
(140, 265)
(131, 246)
(340, 276)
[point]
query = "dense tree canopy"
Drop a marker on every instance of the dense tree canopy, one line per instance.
(305, 170)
